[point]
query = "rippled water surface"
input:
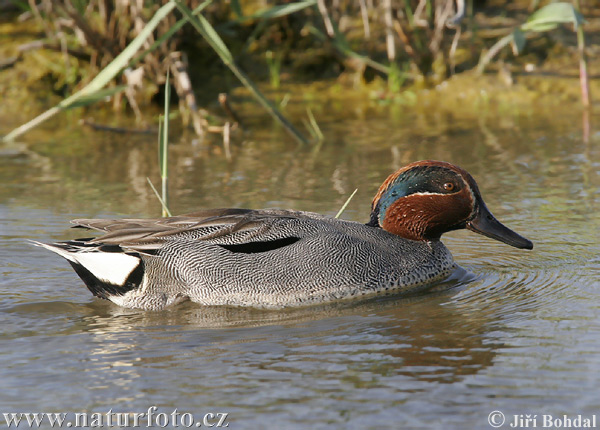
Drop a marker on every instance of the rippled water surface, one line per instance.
(522, 336)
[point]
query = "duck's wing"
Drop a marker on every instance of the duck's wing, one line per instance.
(111, 263)
(226, 227)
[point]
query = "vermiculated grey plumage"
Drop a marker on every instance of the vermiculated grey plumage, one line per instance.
(266, 258)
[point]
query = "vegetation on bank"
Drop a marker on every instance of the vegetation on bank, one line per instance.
(120, 51)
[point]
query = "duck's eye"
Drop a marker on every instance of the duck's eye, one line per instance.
(448, 186)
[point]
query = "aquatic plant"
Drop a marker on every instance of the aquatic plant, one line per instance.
(95, 91)
(545, 19)
(130, 48)
(163, 153)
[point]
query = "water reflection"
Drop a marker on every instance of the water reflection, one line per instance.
(425, 338)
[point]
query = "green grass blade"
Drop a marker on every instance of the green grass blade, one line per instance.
(343, 208)
(163, 148)
(176, 27)
(485, 59)
(236, 7)
(314, 125)
(89, 99)
(310, 130)
(342, 46)
(409, 13)
(551, 15)
(122, 60)
(160, 144)
(518, 40)
(281, 10)
(214, 40)
(104, 77)
(164, 206)
(164, 135)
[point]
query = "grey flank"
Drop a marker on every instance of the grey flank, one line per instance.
(266, 258)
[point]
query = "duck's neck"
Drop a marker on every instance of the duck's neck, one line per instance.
(412, 231)
(418, 217)
(374, 221)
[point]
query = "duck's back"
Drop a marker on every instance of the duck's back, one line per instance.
(275, 258)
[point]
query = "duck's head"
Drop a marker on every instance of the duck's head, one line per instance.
(426, 199)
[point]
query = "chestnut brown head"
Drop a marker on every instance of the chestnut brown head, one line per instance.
(425, 199)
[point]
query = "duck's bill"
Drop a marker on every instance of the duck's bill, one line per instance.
(485, 223)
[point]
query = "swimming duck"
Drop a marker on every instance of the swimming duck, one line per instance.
(276, 258)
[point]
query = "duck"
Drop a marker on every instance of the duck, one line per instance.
(276, 258)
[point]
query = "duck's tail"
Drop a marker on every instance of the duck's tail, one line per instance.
(107, 270)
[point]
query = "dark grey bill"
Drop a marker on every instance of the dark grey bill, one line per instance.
(485, 223)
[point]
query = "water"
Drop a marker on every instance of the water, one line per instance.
(522, 337)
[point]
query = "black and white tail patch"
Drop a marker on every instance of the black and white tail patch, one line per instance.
(107, 270)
